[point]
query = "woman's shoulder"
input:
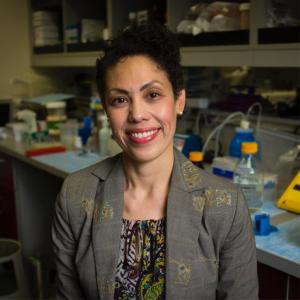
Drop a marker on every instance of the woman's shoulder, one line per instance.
(79, 189)
(100, 170)
(83, 184)
(199, 179)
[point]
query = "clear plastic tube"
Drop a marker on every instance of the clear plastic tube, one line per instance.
(256, 104)
(217, 130)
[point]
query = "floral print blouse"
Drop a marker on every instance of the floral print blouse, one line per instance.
(141, 266)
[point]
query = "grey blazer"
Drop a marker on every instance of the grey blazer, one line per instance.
(210, 249)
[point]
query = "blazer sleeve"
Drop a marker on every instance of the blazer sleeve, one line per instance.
(64, 245)
(238, 264)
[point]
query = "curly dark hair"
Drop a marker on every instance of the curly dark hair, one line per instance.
(151, 39)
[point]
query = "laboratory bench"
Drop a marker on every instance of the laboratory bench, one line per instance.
(37, 180)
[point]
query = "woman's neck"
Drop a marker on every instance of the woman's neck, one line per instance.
(148, 175)
(147, 187)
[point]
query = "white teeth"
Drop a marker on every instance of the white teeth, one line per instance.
(144, 134)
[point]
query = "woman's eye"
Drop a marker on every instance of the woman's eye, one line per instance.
(154, 95)
(119, 101)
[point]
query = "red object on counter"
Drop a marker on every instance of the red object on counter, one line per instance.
(45, 150)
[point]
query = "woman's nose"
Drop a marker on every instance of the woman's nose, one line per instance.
(137, 111)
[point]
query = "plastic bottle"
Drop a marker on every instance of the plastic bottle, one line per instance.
(244, 15)
(196, 157)
(248, 175)
(242, 134)
(104, 136)
(132, 20)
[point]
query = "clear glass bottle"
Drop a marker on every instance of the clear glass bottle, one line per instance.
(249, 176)
(196, 157)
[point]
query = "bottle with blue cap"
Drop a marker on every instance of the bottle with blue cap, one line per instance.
(243, 133)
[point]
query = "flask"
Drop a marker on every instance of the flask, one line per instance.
(104, 136)
(242, 134)
(249, 177)
(196, 157)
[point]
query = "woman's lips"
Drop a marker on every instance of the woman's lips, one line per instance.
(142, 136)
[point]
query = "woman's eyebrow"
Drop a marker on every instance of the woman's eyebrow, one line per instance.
(119, 90)
(146, 85)
(143, 87)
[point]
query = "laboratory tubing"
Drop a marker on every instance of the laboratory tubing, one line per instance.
(249, 176)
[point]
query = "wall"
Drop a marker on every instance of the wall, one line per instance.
(15, 43)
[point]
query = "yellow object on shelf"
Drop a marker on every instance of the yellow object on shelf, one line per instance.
(290, 199)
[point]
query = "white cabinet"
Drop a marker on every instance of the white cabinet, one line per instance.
(257, 47)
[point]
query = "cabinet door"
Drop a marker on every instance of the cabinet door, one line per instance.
(211, 23)
(278, 22)
(274, 284)
(8, 224)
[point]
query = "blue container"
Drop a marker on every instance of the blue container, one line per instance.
(241, 135)
(192, 143)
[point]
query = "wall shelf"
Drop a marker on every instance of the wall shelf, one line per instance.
(75, 59)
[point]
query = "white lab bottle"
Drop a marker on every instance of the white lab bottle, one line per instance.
(248, 175)
(104, 136)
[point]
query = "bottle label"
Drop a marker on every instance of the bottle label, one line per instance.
(252, 193)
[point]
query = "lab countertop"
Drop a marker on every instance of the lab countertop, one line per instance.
(280, 250)
(59, 164)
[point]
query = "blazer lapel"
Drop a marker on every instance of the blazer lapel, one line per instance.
(182, 235)
(107, 226)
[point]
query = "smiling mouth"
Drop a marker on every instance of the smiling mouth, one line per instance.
(143, 136)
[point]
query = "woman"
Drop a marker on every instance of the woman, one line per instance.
(147, 223)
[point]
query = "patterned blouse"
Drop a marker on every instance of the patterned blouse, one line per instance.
(141, 266)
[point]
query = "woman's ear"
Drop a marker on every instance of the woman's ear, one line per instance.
(180, 102)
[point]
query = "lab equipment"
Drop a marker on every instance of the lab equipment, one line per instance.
(68, 133)
(192, 143)
(44, 148)
(285, 166)
(217, 131)
(85, 131)
(56, 108)
(29, 117)
(196, 157)
(262, 225)
(290, 200)
(104, 136)
(224, 166)
(243, 133)
(56, 115)
(249, 176)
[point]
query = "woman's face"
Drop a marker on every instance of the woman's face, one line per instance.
(141, 108)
